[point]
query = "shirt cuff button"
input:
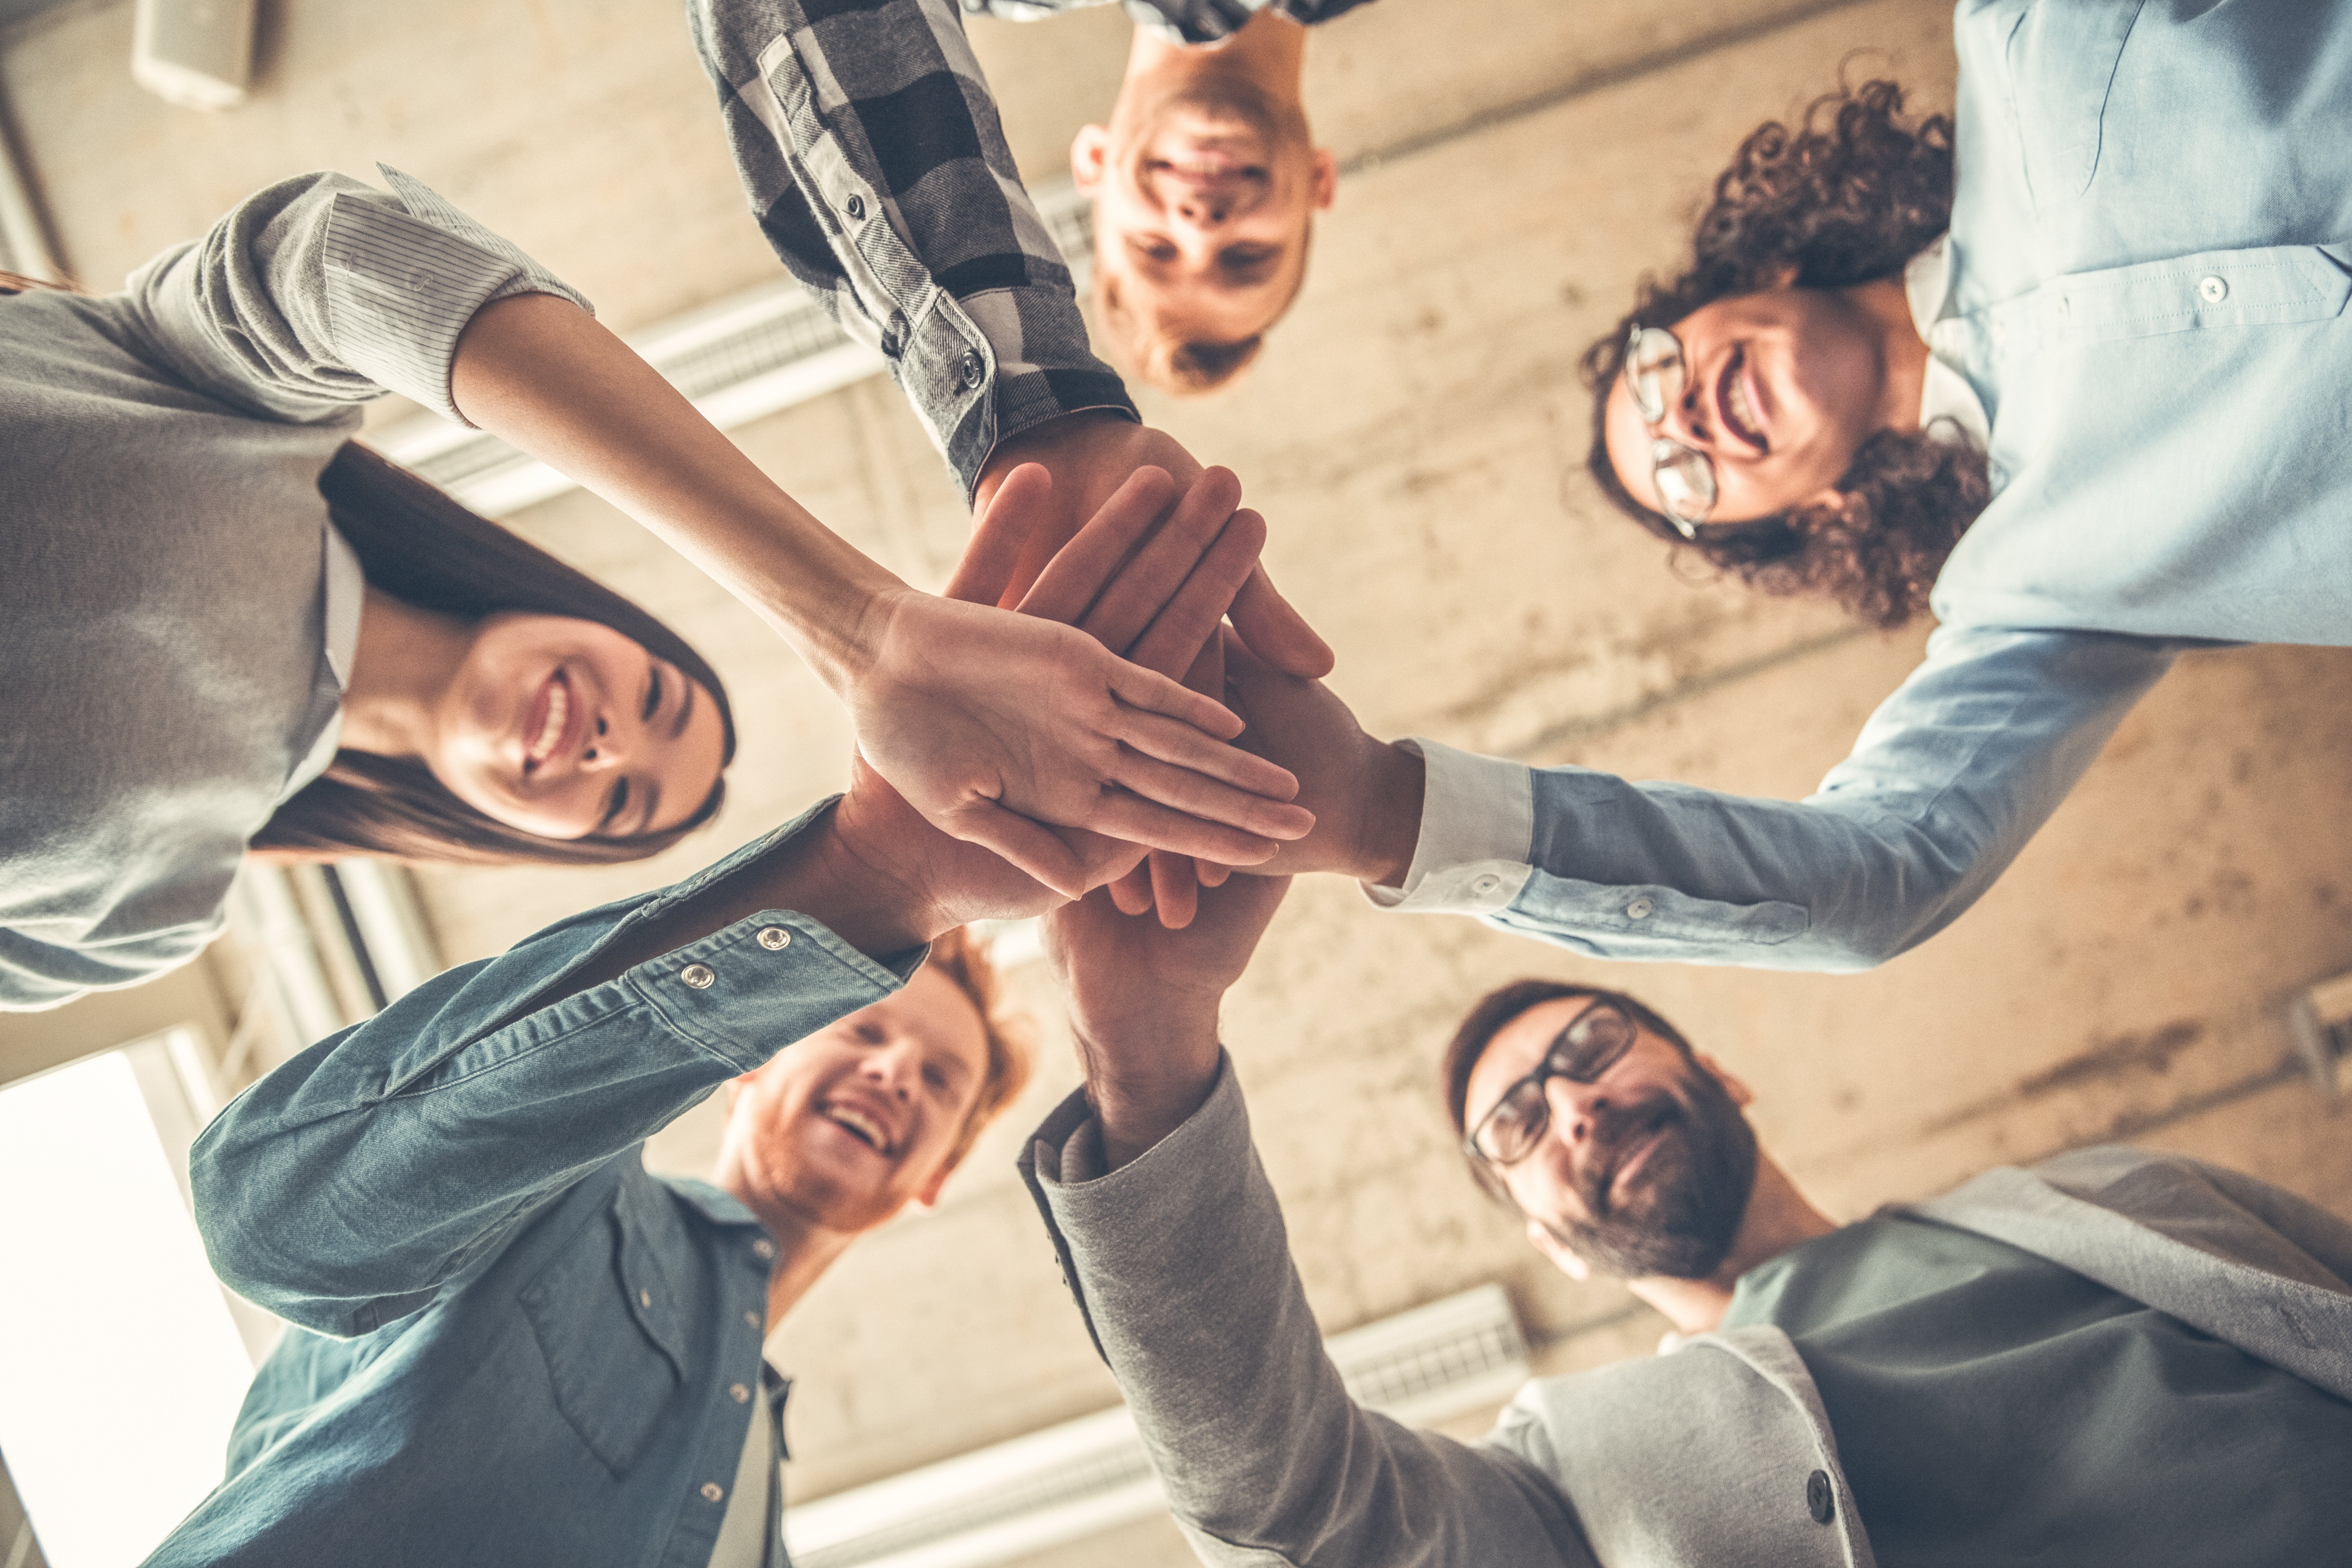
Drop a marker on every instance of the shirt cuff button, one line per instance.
(698, 976)
(1639, 910)
(775, 938)
(972, 369)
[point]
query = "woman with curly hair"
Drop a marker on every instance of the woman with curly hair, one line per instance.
(2066, 368)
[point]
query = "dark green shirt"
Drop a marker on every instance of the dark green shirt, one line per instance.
(1992, 1408)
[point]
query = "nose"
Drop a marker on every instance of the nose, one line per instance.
(1687, 419)
(614, 740)
(892, 1069)
(1575, 1109)
(1206, 209)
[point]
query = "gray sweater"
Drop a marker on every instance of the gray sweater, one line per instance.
(1721, 1454)
(176, 618)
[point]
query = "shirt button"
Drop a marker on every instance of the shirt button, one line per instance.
(712, 1491)
(775, 938)
(2213, 290)
(739, 1394)
(1639, 910)
(855, 206)
(753, 1319)
(1486, 884)
(894, 336)
(972, 369)
(763, 1249)
(645, 1297)
(698, 975)
(1821, 1499)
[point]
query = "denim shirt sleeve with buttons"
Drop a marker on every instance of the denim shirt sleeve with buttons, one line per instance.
(2148, 280)
(512, 1344)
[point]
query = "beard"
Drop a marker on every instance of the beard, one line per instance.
(1680, 1213)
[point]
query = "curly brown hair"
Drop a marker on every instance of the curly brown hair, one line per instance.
(1850, 195)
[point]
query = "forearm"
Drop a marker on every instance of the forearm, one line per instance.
(1147, 1074)
(1181, 1261)
(347, 1185)
(545, 376)
(1948, 783)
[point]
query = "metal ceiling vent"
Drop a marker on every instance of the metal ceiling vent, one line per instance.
(1066, 1482)
(748, 355)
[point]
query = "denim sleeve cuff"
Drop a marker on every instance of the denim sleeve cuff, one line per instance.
(403, 278)
(1477, 821)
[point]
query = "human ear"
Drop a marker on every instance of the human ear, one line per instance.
(1088, 150)
(1325, 179)
(1741, 1095)
(1563, 1258)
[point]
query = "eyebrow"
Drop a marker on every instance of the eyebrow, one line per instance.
(684, 705)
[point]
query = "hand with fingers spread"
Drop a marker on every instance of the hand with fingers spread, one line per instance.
(1090, 456)
(1155, 590)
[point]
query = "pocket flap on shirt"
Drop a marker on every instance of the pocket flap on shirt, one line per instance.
(610, 1374)
(2213, 288)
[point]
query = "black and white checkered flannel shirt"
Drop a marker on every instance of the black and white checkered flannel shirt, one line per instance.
(870, 148)
(868, 143)
(1185, 21)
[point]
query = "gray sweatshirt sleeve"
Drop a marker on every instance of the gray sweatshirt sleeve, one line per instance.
(319, 293)
(1183, 1270)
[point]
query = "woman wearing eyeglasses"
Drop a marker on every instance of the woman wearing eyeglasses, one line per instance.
(2083, 398)
(225, 627)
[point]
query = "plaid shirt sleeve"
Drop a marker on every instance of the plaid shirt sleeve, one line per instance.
(1179, 21)
(869, 145)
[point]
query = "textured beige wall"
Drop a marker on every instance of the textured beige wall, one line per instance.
(1414, 433)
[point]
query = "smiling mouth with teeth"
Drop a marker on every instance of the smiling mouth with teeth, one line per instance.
(859, 1125)
(1732, 404)
(551, 729)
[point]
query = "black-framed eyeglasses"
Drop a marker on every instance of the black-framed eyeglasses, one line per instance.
(1654, 374)
(1592, 1043)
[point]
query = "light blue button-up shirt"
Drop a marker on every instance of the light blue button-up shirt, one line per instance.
(512, 1345)
(2149, 258)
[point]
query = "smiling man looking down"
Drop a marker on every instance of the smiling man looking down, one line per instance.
(2115, 1358)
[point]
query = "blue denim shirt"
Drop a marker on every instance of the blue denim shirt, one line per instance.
(512, 1346)
(2149, 268)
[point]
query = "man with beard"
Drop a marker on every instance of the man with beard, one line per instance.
(2117, 1357)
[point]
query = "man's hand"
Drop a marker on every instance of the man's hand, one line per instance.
(1090, 454)
(1148, 589)
(1366, 794)
(1143, 1002)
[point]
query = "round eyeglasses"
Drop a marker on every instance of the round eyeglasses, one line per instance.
(1654, 374)
(1592, 1043)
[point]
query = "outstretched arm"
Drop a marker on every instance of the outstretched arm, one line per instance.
(1174, 1246)
(1948, 782)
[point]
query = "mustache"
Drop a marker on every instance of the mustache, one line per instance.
(1616, 1130)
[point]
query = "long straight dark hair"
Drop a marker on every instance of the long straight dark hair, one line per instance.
(423, 547)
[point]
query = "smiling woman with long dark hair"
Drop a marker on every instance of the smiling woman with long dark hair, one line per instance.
(2065, 368)
(223, 625)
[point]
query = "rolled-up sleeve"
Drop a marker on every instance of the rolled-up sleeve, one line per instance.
(321, 292)
(869, 145)
(1948, 781)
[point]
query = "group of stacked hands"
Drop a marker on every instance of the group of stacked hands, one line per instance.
(511, 1344)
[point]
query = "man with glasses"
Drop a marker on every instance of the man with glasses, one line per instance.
(2116, 1357)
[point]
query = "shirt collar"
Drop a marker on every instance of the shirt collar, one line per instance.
(1949, 408)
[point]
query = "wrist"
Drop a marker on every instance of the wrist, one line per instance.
(1145, 1079)
(861, 890)
(1394, 783)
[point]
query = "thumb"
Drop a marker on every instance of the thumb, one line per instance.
(1278, 633)
(998, 535)
(1029, 848)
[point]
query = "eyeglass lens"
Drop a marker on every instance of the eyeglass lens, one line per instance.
(1588, 1047)
(1685, 478)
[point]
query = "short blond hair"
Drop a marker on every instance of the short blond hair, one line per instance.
(960, 957)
